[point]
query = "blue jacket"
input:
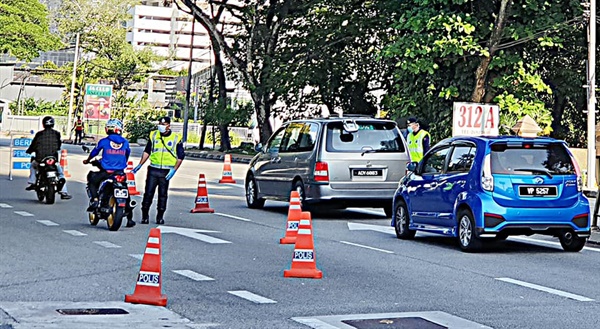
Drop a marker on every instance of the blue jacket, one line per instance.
(115, 152)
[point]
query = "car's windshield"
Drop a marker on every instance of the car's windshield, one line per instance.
(371, 136)
(527, 159)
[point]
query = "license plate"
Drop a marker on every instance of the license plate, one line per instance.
(537, 190)
(367, 172)
(121, 193)
(51, 174)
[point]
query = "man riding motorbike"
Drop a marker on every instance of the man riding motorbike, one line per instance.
(46, 142)
(115, 153)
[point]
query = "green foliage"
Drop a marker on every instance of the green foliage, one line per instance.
(139, 123)
(33, 107)
(24, 29)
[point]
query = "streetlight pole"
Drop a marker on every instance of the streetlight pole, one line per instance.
(591, 101)
(74, 76)
(189, 84)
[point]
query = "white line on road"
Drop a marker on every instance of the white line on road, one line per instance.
(74, 233)
(252, 297)
(234, 217)
(546, 289)
(47, 222)
(367, 247)
(137, 256)
(107, 244)
(4, 205)
(24, 213)
(544, 243)
(193, 275)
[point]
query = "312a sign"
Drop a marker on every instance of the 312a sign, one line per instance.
(474, 119)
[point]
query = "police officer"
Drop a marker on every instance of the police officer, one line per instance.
(418, 140)
(166, 152)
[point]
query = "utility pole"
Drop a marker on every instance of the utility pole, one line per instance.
(188, 87)
(69, 116)
(591, 101)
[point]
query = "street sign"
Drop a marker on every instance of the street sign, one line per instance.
(474, 119)
(21, 154)
(22, 142)
(21, 165)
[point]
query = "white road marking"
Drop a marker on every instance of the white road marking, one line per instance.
(74, 233)
(193, 275)
(107, 244)
(4, 205)
(367, 247)
(546, 289)
(544, 243)
(192, 233)
(137, 256)
(47, 222)
(252, 297)
(234, 217)
(370, 227)
(24, 213)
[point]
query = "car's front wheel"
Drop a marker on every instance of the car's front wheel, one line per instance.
(252, 199)
(467, 237)
(571, 241)
(402, 222)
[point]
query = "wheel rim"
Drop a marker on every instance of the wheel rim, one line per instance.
(250, 192)
(300, 191)
(400, 219)
(465, 230)
(110, 220)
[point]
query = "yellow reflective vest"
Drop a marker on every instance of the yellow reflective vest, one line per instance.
(164, 150)
(415, 145)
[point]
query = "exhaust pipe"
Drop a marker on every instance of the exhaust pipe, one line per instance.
(132, 204)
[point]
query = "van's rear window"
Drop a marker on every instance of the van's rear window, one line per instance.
(530, 158)
(378, 136)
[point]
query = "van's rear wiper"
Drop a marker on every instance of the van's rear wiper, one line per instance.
(368, 151)
(538, 170)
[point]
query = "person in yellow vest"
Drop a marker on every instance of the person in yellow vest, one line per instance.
(78, 127)
(418, 140)
(166, 153)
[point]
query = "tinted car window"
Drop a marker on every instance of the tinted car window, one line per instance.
(291, 137)
(380, 136)
(275, 142)
(434, 162)
(462, 159)
(526, 159)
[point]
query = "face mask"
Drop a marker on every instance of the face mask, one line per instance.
(410, 130)
(162, 129)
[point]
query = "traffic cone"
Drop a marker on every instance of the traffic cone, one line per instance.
(131, 179)
(304, 261)
(148, 285)
(294, 214)
(227, 173)
(64, 163)
(202, 197)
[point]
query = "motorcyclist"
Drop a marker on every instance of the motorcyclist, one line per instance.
(45, 143)
(115, 153)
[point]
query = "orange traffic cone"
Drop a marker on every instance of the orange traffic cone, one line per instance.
(64, 163)
(304, 261)
(227, 173)
(147, 288)
(202, 197)
(294, 214)
(131, 179)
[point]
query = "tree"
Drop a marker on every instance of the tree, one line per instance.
(24, 29)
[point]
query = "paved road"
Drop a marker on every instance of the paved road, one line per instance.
(225, 270)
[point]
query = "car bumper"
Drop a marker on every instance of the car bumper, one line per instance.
(359, 195)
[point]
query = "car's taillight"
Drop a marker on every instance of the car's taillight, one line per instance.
(578, 173)
(120, 178)
(321, 172)
(49, 162)
(487, 180)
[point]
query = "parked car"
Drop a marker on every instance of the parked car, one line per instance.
(475, 188)
(338, 161)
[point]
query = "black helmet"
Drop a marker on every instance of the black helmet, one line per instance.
(48, 122)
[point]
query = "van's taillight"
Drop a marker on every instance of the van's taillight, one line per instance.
(487, 180)
(578, 173)
(49, 162)
(120, 178)
(321, 172)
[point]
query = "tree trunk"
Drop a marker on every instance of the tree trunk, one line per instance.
(482, 70)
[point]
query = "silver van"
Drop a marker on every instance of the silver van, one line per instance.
(350, 161)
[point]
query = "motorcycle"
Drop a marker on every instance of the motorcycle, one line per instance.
(47, 183)
(114, 200)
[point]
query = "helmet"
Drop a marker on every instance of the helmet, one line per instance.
(48, 122)
(114, 126)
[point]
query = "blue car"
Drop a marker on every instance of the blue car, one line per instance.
(477, 188)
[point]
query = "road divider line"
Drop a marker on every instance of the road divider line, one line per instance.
(24, 213)
(193, 275)
(47, 222)
(546, 289)
(544, 243)
(234, 217)
(74, 233)
(5, 205)
(252, 297)
(367, 247)
(107, 244)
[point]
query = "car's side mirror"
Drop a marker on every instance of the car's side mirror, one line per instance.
(258, 147)
(412, 166)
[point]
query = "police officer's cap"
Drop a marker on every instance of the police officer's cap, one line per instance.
(166, 120)
(411, 120)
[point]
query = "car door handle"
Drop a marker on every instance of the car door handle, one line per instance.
(276, 160)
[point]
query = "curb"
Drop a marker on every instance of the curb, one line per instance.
(217, 157)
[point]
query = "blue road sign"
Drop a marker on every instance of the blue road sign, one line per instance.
(20, 154)
(22, 142)
(21, 165)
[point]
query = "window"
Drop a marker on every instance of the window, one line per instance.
(291, 137)
(434, 162)
(526, 159)
(379, 136)
(275, 141)
(462, 159)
